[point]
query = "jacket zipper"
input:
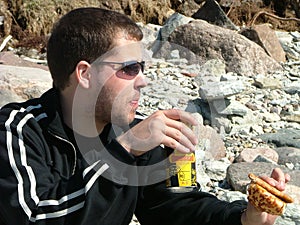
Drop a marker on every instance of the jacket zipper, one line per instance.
(73, 147)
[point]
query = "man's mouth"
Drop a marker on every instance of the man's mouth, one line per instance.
(134, 103)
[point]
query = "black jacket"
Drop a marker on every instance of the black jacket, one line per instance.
(48, 175)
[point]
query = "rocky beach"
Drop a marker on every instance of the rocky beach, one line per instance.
(246, 98)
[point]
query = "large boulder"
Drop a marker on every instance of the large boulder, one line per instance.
(237, 176)
(22, 83)
(208, 41)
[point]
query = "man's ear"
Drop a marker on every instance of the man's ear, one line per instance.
(82, 74)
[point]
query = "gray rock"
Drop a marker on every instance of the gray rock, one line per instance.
(211, 70)
(283, 137)
(213, 13)
(220, 90)
(216, 170)
(230, 107)
(288, 155)
(174, 21)
(237, 176)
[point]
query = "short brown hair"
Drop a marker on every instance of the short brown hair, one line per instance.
(84, 34)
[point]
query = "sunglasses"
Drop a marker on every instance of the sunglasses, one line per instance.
(127, 70)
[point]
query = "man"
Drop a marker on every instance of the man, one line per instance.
(80, 154)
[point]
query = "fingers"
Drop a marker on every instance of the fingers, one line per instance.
(278, 179)
(167, 127)
(180, 115)
(181, 138)
(178, 135)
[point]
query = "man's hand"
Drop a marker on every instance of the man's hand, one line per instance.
(254, 217)
(167, 127)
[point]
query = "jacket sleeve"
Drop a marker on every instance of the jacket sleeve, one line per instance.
(158, 205)
(33, 190)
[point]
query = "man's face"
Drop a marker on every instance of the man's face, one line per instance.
(118, 90)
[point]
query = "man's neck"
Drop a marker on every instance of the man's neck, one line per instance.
(77, 117)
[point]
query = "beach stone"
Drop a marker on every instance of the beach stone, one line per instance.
(208, 41)
(267, 82)
(237, 176)
(211, 142)
(22, 83)
(266, 37)
(212, 12)
(288, 155)
(250, 154)
(11, 59)
(283, 137)
(220, 90)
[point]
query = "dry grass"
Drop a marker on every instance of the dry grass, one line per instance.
(38, 16)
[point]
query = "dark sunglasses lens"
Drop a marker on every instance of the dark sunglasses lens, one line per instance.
(133, 69)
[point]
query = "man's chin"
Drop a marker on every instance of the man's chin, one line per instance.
(130, 118)
(123, 121)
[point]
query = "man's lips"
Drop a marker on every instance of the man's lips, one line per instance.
(134, 102)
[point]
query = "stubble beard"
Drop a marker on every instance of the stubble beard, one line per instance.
(113, 109)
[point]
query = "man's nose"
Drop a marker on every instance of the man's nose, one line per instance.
(141, 81)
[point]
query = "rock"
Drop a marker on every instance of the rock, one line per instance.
(237, 174)
(267, 82)
(231, 196)
(288, 155)
(202, 178)
(174, 21)
(207, 41)
(151, 34)
(262, 158)
(294, 190)
(230, 107)
(291, 215)
(7, 96)
(292, 88)
(270, 117)
(213, 13)
(9, 58)
(286, 40)
(22, 83)
(220, 90)
(283, 137)
(211, 142)
(250, 154)
(292, 118)
(188, 7)
(266, 37)
(211, 70)
(160, 47)
(216, 170)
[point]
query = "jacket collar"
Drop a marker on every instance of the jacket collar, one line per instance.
(50, 101)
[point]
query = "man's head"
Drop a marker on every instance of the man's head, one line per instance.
(85, 34)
